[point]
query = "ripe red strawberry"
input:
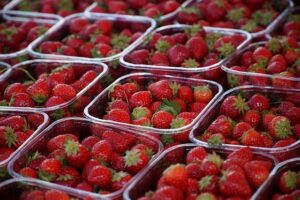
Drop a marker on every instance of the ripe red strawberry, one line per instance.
(64, 91)
(161, 90)
(39, 91)
(221, 125)
(196, 154)
(293, 115)
(185, 93)
(76, 154)
(138, 56)
(69, 176)
(252, 138)
(160, 59)
(288, 181)
(233, 184)
(119, 104)
(215, 11)
(135, 160)
(177, 54)
(208, 183)
(119, 180)
(141, 98)
(203, 94)
(118, 115)
(198, 47)
(21, 100)
(233, 106)
(49, 169)
(13, 89)
(117, 92)
(28, 172)
(211, 164)
(176, 176)
(239, 129)
(242, 156)
(59, 141)
(162, 119)
(259, 102)
(102, 151)
(252, 117)
(261, 54)
(100, 176)
(256, 173)
(167, 192)
(77, 24)
(56, 194)
(280, 127)
(140, 112)
(16, 122)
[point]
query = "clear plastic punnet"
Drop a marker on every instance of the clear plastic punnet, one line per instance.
(270, 187)
(276, 95)
(4, 69)
(161, 19)
(148, 179)
(32, 69)
(60, 30)
(9, 112)
(277, 30)
(281, 6)
(96, 108)
(179, 28)
(236, 78)
(15, 17)
(16, 189)
(83, 128)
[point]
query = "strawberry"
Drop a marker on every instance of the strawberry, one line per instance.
(64, 91)
(233, 106)
(177, 54)
(208, 183)
(59, 141)
(100, 176)
(252, 117)
(185, 93)
(28, 172)
(118, 115)
(49, 169)
(167, 192)
(16, 122)
(288, 181)
(141, 98)
(239, 129)
(161, 90)
(196, 154)
(140, 112)
(280, 127)
(119, 104)
(39, 91)
(221, 125)
(206, 195)
(21, 100)
(259, 102)
(233, 184)
(198, 47)
(203, 94)
(56, 194)
(176, 175)
(162, 119)
(256, 173)
(102, 151)
(13, 89)
(135, 160)
(119, 180)
(139, 56)
(76, 154)
(242, 156)
(211, 164)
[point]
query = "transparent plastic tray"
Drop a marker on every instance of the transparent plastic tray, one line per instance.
(22, 112)
(261, 34)
(247, 76)
(101, 99)
(4, 69)
(14, 3)
(82, 125)
(17, 17)
(164, 18)
(32, 64)
(269, 188)
(149, 178)
(169, 29)
(276, 29)
(57, 32)
(211, 114)
(12, 188)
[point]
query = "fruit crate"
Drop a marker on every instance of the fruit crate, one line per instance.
(150, 178)
(117, 22)
(275, 96)
(34, 122)
(164, 18)
(29, 27)
(193, 14)
(287, 25)
(22, 188)
(60, 8)
(265, 192)
(265, 69)
(34, 74)
(82, 129)
(95, 110)
(210, 70)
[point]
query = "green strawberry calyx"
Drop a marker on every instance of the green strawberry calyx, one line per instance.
(170, 106)
(175, 87)
(132, 158)
(71, 147)
(190, 63)
(191, 10)
(10, 137)
(283, 128)
(138, 113)
(194, 29)
(215, 139)
(235, 14)
(240, 104)
(250, 26)
(162, 46)
(118, 176)
(225, 49)
(178, 122)
(215, 158)
(120, 41)
(46, 176)
(204, 182)
(290, 180)
(274, 45)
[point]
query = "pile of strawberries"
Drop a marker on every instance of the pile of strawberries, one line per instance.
(35, 194)
(15, 130)
(288, 185)
(153, 9)
(50, 84)
(208, 175)
(278, 57)
(89, 157)
(250, 15)
(97, 39)
(15, 36)
(161, 104)
(259, 122)
(291, 27)
(60, 7)
(192, 47)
